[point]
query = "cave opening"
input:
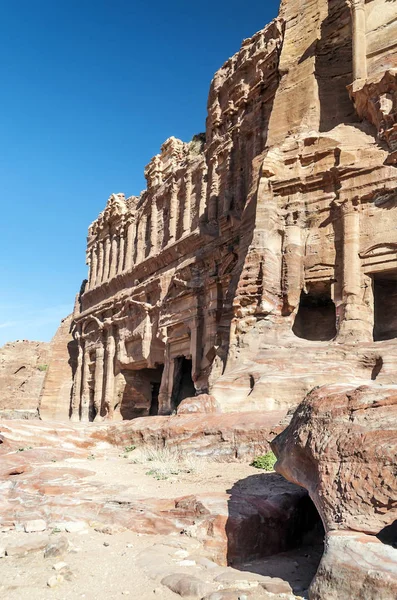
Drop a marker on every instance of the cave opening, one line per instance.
(141, 392)
(316, 317)
(183, 386)
(385, 302)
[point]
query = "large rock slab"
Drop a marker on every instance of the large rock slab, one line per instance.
(341, 446)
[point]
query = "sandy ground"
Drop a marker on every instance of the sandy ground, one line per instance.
(105, 566)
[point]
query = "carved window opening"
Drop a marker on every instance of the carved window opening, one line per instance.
(183, 383)
(385, 302)
(316, 317)
(141, 393)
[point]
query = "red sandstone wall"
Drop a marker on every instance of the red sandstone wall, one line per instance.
(55, 397)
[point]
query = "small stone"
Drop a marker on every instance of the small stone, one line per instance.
(35, 526)
(75, 526)
(56, 548)
(55, 580)
(106, 544)
(243, 597)
(59, 566)
(129, 545)
(125, 593)
(187, 563)
(2, 552)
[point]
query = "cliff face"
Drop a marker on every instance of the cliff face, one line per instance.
(273, 231)
(23, 367)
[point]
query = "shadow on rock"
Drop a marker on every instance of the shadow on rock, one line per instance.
(274, 529)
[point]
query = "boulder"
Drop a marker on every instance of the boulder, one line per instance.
(199, 404)
(341, 446)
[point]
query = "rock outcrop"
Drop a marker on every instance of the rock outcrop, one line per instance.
(270, 235)
(341, 446)
(23, 366)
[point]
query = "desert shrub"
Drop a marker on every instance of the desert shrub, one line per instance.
(265, 462)
(164, 462)
(42, 367)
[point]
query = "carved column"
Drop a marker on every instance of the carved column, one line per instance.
(141, 239)
(203, 191)
(214, 191)
(173, 211)
(130, 245)
(187, 209)
(109, 374)
(85, 390)
(76, 392)
(154, 227)
(114, 256)
(120, 265)
(99, 275)
(99, 370)
(93, 267)
(106, 260)
(293, 252)
(359, 39)
(355, 322)
(167, 381)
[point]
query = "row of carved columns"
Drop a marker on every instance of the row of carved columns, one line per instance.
(98, 401)
(111, 255)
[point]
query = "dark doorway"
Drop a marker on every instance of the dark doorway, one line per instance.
(154, 405)
(385, 303)
(316, 318)
(183, 382)
(141, 393)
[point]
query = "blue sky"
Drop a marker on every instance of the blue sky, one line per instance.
(90, 90)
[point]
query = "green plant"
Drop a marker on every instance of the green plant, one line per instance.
(129, 448)
(265, 462)
(42, 367)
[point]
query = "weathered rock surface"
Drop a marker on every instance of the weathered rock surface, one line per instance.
(271, 235)
(23, 366)
(341, 446)
(56, 392)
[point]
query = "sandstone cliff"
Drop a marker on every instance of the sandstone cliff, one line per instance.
(23, 367)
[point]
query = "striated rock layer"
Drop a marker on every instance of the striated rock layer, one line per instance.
(274, 228)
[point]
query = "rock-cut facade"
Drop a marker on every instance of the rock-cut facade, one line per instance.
(267, 243)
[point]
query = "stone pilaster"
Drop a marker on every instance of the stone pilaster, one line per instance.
(214, 192)
(99, 275)
(173, 211)
(114, 256)
(120, 265)
(108, 400)
(359, 39)
(76, 392)
(141, 243)
(293, 251)
(355, 322)
(106, 260)
(154, 227)
(186, 222)
(130, 246)
(99, 371)
(85, 390)
(93, 267)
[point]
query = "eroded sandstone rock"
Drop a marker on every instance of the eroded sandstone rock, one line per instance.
(341, 446)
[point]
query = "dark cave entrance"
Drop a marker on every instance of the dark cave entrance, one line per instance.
(385, 303)
(316, 317)
(141, 393)
(183, 383)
